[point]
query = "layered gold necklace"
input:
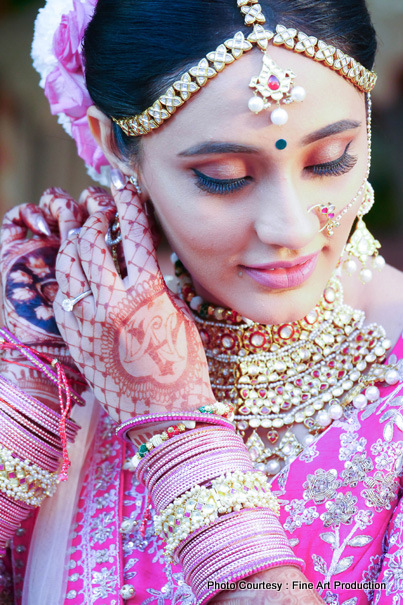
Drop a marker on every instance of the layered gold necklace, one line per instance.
(302, 373)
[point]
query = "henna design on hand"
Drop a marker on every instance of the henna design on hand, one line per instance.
(27, 265)
(139, 350)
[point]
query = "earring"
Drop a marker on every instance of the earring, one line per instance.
(362, 245)
(134, 181)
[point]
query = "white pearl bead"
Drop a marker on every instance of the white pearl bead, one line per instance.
(323, 418)
(256, 104)
(392, 377)
(360, 402)
(372, 393)
(196, 302)
(172, 283)
(298, 94)
(174, 258)
(308, 439)
(335, 411)
(127, 591)
(273, 467)
(279, 116)
(349, 266)
(365, 275)
(378, 263)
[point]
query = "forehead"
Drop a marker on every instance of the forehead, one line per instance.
(220, 110)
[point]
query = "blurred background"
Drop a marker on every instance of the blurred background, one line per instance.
(35, 152)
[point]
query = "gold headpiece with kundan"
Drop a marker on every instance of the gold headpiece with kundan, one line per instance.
(273, 86)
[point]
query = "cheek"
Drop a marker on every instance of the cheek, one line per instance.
(200, 227)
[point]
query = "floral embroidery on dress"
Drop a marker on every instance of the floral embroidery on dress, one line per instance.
(356, 470)
(299, 515)
(321, 486)
(351, 444)
(341, 510)
(381, 490)
(309, 453)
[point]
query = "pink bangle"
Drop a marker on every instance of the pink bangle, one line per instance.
(203, 445)
(156, 458)
(38, 364)
(35, 409)
(223, 529)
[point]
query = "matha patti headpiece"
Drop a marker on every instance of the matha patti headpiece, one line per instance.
(272, 85)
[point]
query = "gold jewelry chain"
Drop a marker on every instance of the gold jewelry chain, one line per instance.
(232, 49)
(302, 373)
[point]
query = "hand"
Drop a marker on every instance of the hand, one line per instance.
(27, 265)
(135, 343)
(283, 591)
(27, 268)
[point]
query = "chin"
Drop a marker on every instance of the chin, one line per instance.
(279, 308)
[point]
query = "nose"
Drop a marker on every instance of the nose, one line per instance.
(282, 218)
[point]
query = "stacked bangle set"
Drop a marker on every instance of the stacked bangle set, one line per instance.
(215, 512)
(32, 444)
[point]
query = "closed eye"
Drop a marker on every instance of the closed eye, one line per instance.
(219, 186)
(342, 165)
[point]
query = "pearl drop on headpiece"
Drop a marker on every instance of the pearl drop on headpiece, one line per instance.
(279, 116)
(256, 104)
(298, 94)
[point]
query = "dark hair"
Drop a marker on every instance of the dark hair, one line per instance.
(135, 49)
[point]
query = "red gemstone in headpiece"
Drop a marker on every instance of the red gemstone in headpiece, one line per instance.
(273, 83)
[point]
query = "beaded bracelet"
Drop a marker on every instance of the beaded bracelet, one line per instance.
(123, 429)
(216, 462)
(28, 482)
(157, 440)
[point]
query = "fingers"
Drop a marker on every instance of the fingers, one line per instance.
(61, 211)
(69, 328)
(72, 282)
(96, 199)
(96, 259)
(138, 244)
(18, 220)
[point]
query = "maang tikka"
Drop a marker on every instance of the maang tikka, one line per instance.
(274, 84)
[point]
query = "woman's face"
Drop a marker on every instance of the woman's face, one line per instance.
(234, 207)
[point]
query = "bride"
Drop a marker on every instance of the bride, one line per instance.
(257, 392)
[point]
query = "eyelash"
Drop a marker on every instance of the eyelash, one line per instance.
(338, 167)
(335, 168)
(219, 186)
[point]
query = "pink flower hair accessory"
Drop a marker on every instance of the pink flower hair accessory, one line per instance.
(57, 57)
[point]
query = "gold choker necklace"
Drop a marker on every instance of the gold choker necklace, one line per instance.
(287, 383)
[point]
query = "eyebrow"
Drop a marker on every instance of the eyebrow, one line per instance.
(329, 130)
(217, 147)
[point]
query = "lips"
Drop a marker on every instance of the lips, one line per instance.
(283, 274)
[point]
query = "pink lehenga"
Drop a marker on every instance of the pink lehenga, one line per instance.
(341, 510)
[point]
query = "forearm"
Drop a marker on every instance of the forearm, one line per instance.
(288, 586)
